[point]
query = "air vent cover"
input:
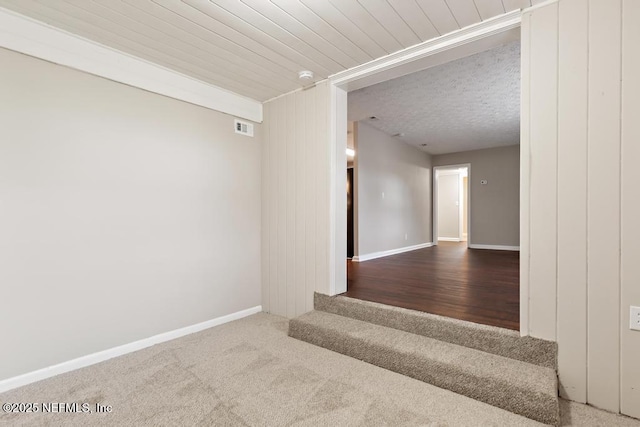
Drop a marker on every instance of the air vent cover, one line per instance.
(243, 128)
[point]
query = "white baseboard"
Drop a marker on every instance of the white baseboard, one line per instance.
(495, 247)
(101, 356)
(449, 239)
(381, 254)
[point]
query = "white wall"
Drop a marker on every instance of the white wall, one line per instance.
(123, 214)
(448, 195)
(495, 207)
(295, 201)
(581, 237)
(394, 193)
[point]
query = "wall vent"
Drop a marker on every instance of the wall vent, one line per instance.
(243, 128)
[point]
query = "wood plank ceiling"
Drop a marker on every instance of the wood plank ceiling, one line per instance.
(256, 47)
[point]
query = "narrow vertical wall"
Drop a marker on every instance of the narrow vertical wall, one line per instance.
(580, 136)
(630, 208)
(543, 133)
(603, 205)
(295, 200)
(572, 196)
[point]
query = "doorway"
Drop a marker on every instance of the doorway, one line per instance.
(451, 203)
(468, 41)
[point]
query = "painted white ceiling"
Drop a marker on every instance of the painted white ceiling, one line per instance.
(468, 104)
(256, 47)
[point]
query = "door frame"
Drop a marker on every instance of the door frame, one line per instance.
(449, 47)
(434, 214)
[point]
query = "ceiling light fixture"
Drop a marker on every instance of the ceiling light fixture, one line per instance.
(305, 75)
(351, 152)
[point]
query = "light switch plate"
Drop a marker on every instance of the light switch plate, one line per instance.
(634, 318)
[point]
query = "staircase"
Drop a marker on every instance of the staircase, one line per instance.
(489, 364)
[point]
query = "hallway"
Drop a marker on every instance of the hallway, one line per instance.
(476, 285)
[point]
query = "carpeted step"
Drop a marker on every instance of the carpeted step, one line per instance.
(515, 386)
(490, 339)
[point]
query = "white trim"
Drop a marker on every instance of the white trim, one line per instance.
(444, 170)
(539, 5)
(34, 38)
(381, 254)
(101, 356)
(525, 170)
(495, 247)
(404, 61)
(449, 239)
(461, 205)
(473, 39)
(338, 181)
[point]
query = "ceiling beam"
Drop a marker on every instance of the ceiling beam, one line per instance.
(25, 35)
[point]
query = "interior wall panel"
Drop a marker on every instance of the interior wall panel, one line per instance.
(265, 231)
(525, 171)
(630, 245)
(338, 169)
(271, 179)
(543, 173)
(572, 198)
(281, 194)
(290, 173)
(297, 203)
(322, 187)
(597, 204)
(311, 176)
(603, 227)
(300, 214)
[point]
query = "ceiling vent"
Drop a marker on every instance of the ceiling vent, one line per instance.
(243, 128)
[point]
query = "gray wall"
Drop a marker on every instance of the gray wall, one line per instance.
(403, 173)
(495, 207)
(123, 214)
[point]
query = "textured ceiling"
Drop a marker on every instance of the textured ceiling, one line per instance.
(256, 47)
(468, 104)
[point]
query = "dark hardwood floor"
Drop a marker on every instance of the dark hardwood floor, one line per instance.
(477, 285)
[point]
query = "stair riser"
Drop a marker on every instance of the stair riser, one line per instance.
(483, 338)
(535, 406)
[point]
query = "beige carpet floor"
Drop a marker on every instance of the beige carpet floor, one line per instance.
(249, 372)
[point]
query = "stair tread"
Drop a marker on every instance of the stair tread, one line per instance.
(489, 339)
(523, 388)
(482, 364)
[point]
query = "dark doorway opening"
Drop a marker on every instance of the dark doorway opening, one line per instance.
(350, 239)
